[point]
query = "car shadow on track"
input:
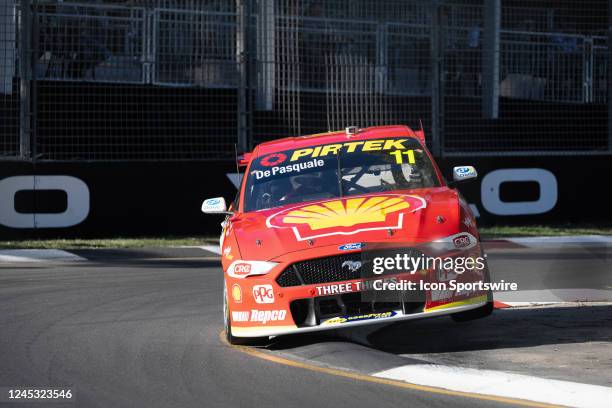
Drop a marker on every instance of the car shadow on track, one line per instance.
(506, 328)
(295, 341)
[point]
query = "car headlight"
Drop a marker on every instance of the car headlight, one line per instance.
(242, 269)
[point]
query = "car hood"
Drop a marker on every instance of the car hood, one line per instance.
(399, 216)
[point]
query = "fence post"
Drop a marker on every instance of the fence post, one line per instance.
(25, 79)
(243, 10)
(609, 68)
(490, 59)
(437, 90)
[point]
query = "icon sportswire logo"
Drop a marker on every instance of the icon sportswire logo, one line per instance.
(346, 216)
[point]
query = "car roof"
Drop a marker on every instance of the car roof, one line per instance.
(375, 132)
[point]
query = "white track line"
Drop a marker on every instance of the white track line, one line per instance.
(574, 239)
(502, 384)
(212, 248)
(37, 255)
(526, 297)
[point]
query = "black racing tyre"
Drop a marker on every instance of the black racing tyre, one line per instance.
(479, 313)
(482, 311)
(227, 326)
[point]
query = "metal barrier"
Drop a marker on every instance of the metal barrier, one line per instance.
(599, 68)
(9, 85)
(167, 80)
(194, 48)
(89, 42)
(104, 43)
(553, 67)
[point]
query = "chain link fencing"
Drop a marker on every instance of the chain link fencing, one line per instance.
(187, 80)
(9, 85)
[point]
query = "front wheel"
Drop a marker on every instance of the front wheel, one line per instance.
(482, 311)
(227, 326)
(479, 313)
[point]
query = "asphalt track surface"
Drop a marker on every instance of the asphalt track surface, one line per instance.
(129, 332)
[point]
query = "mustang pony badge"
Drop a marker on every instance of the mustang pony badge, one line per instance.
(346, 216)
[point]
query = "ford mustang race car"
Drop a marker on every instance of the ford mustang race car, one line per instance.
(347, 228)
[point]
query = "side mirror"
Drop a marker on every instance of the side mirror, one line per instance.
(463, 173)
(215, 206)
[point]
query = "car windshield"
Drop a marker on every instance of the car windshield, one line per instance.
(337, 170)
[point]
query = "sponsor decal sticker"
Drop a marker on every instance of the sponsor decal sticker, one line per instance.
(463, 171)
(462, 241)
(346, 216)
(273, 159)
(237, 293)
(227, 252)
(242, 269)
(442, 295)
(263, 294)
(335, 288)
(292, 168)
(265, 316)
(259, 316)
(241, 316)
(357, 318)
(349, 147)
(351, 247)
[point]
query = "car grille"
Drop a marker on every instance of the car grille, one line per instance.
(319, 270)
(323, 270)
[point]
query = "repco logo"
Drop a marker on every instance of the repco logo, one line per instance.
(263, 293)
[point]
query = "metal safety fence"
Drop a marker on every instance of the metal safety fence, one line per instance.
(186, 80)
(9, 84)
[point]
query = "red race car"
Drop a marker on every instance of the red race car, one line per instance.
(347, 228)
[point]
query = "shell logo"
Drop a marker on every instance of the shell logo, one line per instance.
(346, 216)
(237, 293)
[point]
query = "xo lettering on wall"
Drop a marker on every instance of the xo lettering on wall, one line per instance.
(77, 201)
(490, 191)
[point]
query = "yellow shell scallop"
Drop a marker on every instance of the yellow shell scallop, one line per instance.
(347, 213)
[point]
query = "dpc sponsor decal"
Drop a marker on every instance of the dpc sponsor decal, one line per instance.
(346, 216)
(263, 294)
(350, 319)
